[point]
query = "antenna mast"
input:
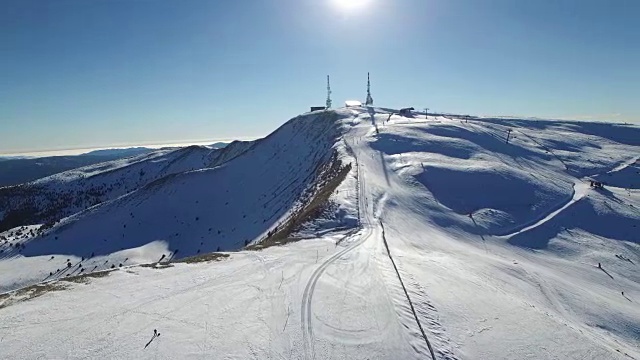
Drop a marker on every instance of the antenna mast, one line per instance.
(369, 98)
(328, 93)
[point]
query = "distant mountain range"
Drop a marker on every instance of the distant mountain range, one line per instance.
(350, 233)
(16, 170)
(120, 153)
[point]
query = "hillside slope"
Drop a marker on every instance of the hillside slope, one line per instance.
(18, 171)
(499, 243)
(466, 246)
(51, 198)
(197, 209)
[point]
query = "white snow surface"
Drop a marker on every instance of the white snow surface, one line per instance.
(466, 247)
(185, 213)
(71, 191)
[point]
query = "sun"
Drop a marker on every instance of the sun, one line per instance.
(350, 4)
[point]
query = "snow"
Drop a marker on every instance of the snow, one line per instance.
(491, 248)
(188, 212)
(580, 191)
(51, 198)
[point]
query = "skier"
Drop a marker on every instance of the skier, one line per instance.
(155, 335)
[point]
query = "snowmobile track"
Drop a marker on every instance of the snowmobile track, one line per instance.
(307, 327)
(307, 298)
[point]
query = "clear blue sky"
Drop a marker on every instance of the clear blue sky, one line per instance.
(89, 73)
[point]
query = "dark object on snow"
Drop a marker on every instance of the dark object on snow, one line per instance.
(599, 265)
(406, 111)
(155, 335)
(317, 108)
(596, 184)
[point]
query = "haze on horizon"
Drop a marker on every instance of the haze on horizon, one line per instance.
(80, 74)
(84, 150)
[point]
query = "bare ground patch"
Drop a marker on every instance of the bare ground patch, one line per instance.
(85, 278)
(330, 178)
(28, 293)
(157, 265)
(203, 258)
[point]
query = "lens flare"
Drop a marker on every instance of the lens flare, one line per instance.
(350, 4)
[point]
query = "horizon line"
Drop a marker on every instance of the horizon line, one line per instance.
(79, 150)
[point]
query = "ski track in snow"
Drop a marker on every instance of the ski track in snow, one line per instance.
(307, 298)
(362, 236)
(625, 165)
(580, 190)
(368, 221)
(411, 280)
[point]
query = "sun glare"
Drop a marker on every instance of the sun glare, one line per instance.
(350, 4)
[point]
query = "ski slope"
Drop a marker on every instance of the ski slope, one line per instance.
(580, 190)
(464, 247)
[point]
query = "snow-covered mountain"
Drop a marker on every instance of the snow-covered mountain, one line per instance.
(171, 205)
(14, 171)
(448, 238)
(49, 199)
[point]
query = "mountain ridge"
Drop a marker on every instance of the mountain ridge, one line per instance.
(450, 237)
